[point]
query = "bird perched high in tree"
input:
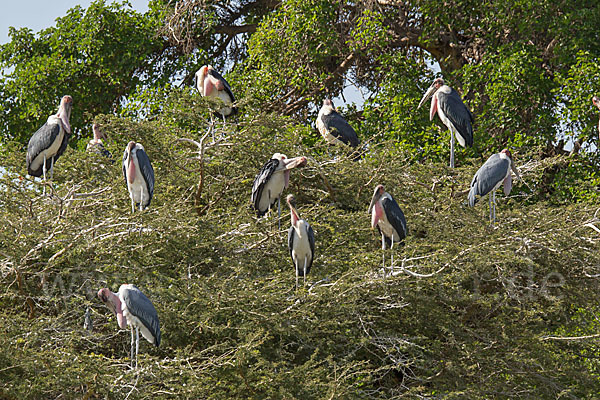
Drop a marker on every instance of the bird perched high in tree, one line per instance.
(139, 175)
(333, 127)
(270, 182)
(50, 141)
(492, 174)
(95, 145)
(301, 242)
(133, 308)
(211, 84)
(446, 102)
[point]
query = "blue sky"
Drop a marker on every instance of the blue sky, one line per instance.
(39, 14)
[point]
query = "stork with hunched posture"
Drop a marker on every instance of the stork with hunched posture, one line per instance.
(446, 102)
(333, 127)
(133, 308)
(211, 84)
(95, 145)
(49, 142)
(270, 182)
(139, 175)
(301, 242)
(496, 171)
(596, 102)
(389, 219)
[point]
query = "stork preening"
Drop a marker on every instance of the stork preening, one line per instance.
(596, 102)
(270, 182)
(301, 242)
(389, 219)
(496, 171)
(333, 127)
(139, 175)
(49, 142)
(211, 84)
(453, 113)
(133, 308)
(95, 145)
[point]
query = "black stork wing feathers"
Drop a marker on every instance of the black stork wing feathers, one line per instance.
(338, 127)
(456, 111)
(147, 172)
(227, 88)
(395, 217)
(141, 307)
(41, 140)
(259, 184)
(488, 176)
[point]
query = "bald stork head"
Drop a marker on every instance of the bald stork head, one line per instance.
(437, 83)
(112, 301)
(64, 112)
(508, 155)
(286, 164)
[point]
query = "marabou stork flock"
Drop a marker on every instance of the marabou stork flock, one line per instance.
(134, 310)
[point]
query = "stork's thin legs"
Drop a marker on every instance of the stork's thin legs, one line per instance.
(383, 253)
(132, 340)
(141, 198)
(392, 253)
(494, 201)
(132, 205)
(52, 168)
(490, 198)
(296, 268)
(451, 149)
(279, 211)
(305, 262)
(44, 172)
(137, 345)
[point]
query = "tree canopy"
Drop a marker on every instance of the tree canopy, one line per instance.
(470, 310)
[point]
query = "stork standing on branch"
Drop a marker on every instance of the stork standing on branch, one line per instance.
(496, 171)
(389, 219)
(133, 308)
(211, 84)
(49, 142)
(270, 182)
(301, 242)
(446, 102)
(95, 145)
(139, 175)
(333, 127)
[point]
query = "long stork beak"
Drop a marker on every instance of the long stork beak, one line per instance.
(294, 162)
(427, 95)
(374, 199)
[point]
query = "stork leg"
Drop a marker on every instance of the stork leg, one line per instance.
(305, 262)
(132, 205)
(494, 201)
(44, 172)
(490, 198)
(141, 198)
(392, 254)
(296, 268)
(383, 253)
(132, 340)
(451, 149)
(52, 168)
(137, 345)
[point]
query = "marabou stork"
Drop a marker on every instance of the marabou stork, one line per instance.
(493, 173)
(49, 142)
(133, 308)
(301, 242)
(389, 219)
(139, 175)
(211, 84)
(453, 113)
(333, 127)
(596, 102)
(270, 182)
(95, 145)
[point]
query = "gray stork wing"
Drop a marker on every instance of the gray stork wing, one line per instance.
(311, 242)
(218, 76)
(41, 140)
(338, 127)
(140, 306)
(395, 217)
(488, 176)
(456, 111)
(259, 184)
(147, 171)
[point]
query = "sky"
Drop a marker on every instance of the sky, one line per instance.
(39, 14)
